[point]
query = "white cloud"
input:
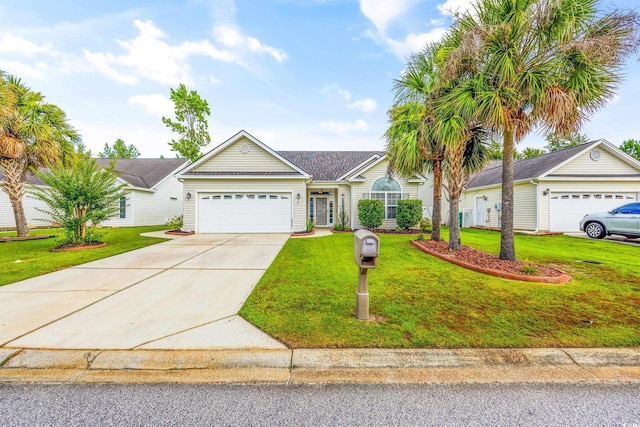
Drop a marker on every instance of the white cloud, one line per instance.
(345, 127)
(234, 39)
(23, 70)
(156, 104)
(451, 7)
(382, 12)
(149, 56)
(333, 90)
(367, 105)
(12, 44)
(414, 43)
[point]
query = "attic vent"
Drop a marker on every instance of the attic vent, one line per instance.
(595, 155)
(244, 148)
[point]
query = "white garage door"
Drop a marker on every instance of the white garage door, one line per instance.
(567, 209)
(244, 213)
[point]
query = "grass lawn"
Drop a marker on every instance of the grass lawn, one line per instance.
(23, 259)
(307, 297)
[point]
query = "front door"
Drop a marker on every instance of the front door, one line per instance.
(480, 211)
(321, 212)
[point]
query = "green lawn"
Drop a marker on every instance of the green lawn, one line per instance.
(307, 297)
(23, 259)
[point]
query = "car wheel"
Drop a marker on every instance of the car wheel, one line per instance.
(595, 230)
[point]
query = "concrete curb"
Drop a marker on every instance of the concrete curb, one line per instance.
(321, 366)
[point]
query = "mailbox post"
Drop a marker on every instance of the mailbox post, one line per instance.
(366, 247)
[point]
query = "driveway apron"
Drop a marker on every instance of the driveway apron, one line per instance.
(181, 294)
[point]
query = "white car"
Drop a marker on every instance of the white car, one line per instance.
(624, 221)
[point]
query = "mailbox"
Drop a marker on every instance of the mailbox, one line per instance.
(366, 248)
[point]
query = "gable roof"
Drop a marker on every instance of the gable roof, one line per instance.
(328, 165)
(144, 173)
(140, 173)
(528, 168)
(188, 171)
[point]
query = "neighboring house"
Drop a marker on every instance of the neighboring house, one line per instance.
(244, 186)
(152, 194)
(552, 192)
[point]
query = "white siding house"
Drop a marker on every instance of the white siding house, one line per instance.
(552, 192)
(244, 186)
(152, 195)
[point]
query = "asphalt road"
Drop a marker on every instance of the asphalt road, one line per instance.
(320, 405)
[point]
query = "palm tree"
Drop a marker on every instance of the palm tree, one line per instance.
(411, 151)
(32, 133)
(534, 64)
(411, 148)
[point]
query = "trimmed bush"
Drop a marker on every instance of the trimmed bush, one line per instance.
(370, 213)
(409, 213)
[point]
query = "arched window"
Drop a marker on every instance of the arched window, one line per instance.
(389, 191)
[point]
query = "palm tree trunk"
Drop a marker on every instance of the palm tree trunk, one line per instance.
(507, 246)
(455, 175)
(14, 187)
(436, 216)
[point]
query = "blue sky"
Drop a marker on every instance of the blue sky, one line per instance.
(297, 74)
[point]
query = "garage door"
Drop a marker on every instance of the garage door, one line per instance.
(567, 209)
(244, 213)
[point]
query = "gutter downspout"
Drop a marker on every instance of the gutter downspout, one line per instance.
(537, 184)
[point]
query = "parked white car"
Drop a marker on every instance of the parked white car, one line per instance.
(624, 221)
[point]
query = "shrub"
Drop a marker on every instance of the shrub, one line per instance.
(175, 223)
(425, 225)
(79, 197)
(338, 227)
(309, 226)
(409, 213)
(370, 213)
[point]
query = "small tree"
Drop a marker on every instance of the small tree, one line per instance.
(632, 148)
(190, 124)
(370, 213)
(529, 153)
(120, 150)
(409, 213)
(556, 142)
(79, 197)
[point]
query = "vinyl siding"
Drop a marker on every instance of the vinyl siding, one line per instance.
(232, 159)
(468, 205)
(371, 175)
(245, 186)
(524, 207)
(128, 220)
(34, 217)
(607, 164)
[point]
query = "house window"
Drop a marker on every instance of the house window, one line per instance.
(123, 207)
(389, 191)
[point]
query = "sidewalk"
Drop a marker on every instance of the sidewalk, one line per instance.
(284, 366)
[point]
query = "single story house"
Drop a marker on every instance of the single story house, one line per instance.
(152, 194)
(552, 192)
(243, 185)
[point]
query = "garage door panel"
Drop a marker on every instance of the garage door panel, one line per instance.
(567, 209)
(244, 213)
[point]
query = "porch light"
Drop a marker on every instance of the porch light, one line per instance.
(188, 196)
(298, 196)
(545, 192)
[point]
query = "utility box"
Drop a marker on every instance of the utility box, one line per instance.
(366, 248)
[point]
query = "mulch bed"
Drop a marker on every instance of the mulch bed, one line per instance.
(487, 263)
(179, 233)
(78, 247)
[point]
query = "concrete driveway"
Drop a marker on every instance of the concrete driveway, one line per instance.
(181, 294)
